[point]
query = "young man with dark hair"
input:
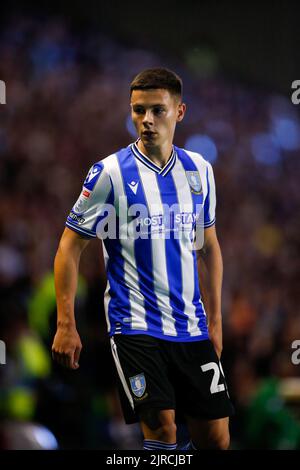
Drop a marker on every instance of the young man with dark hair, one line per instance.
(166, 337)
(155, 79)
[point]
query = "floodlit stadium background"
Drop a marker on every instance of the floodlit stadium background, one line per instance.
(67, 73)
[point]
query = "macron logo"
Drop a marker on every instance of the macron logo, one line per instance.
(93, 173)
(133, 186)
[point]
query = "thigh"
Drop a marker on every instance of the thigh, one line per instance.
(143, 375)
(201, 389)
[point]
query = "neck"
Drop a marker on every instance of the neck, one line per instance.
(159, 155)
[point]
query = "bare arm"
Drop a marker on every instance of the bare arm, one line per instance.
(210, 269)
(67, 346)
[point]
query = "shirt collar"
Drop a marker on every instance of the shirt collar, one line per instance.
(150, 164)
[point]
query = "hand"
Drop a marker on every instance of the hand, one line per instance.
(215, 334)
(66, 347)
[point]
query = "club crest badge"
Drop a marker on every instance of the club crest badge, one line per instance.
(194, 181)
(138, 384)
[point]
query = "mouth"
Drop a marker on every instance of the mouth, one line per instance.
(148, 134)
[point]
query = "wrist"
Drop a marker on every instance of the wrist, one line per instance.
(66, 324)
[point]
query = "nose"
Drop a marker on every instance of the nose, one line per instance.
(148, 118)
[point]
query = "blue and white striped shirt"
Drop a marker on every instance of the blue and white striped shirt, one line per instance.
(153, 215)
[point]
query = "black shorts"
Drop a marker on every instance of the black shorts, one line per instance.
(161, 374)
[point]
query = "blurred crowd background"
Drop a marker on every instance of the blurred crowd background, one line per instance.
(67, 107)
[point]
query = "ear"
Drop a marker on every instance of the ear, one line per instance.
(181, 112)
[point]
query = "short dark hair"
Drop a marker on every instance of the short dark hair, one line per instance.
(156, 78)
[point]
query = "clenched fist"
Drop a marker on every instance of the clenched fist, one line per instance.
(66, 347)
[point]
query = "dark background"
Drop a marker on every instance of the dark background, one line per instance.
(256, 41)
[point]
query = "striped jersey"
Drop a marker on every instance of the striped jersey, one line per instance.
(150, 220)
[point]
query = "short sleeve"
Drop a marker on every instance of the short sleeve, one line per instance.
(210, 200)
(89, 207)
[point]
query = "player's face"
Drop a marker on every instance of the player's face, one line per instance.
(155, 114)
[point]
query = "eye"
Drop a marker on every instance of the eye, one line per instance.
(157, 110)
(138, 110)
